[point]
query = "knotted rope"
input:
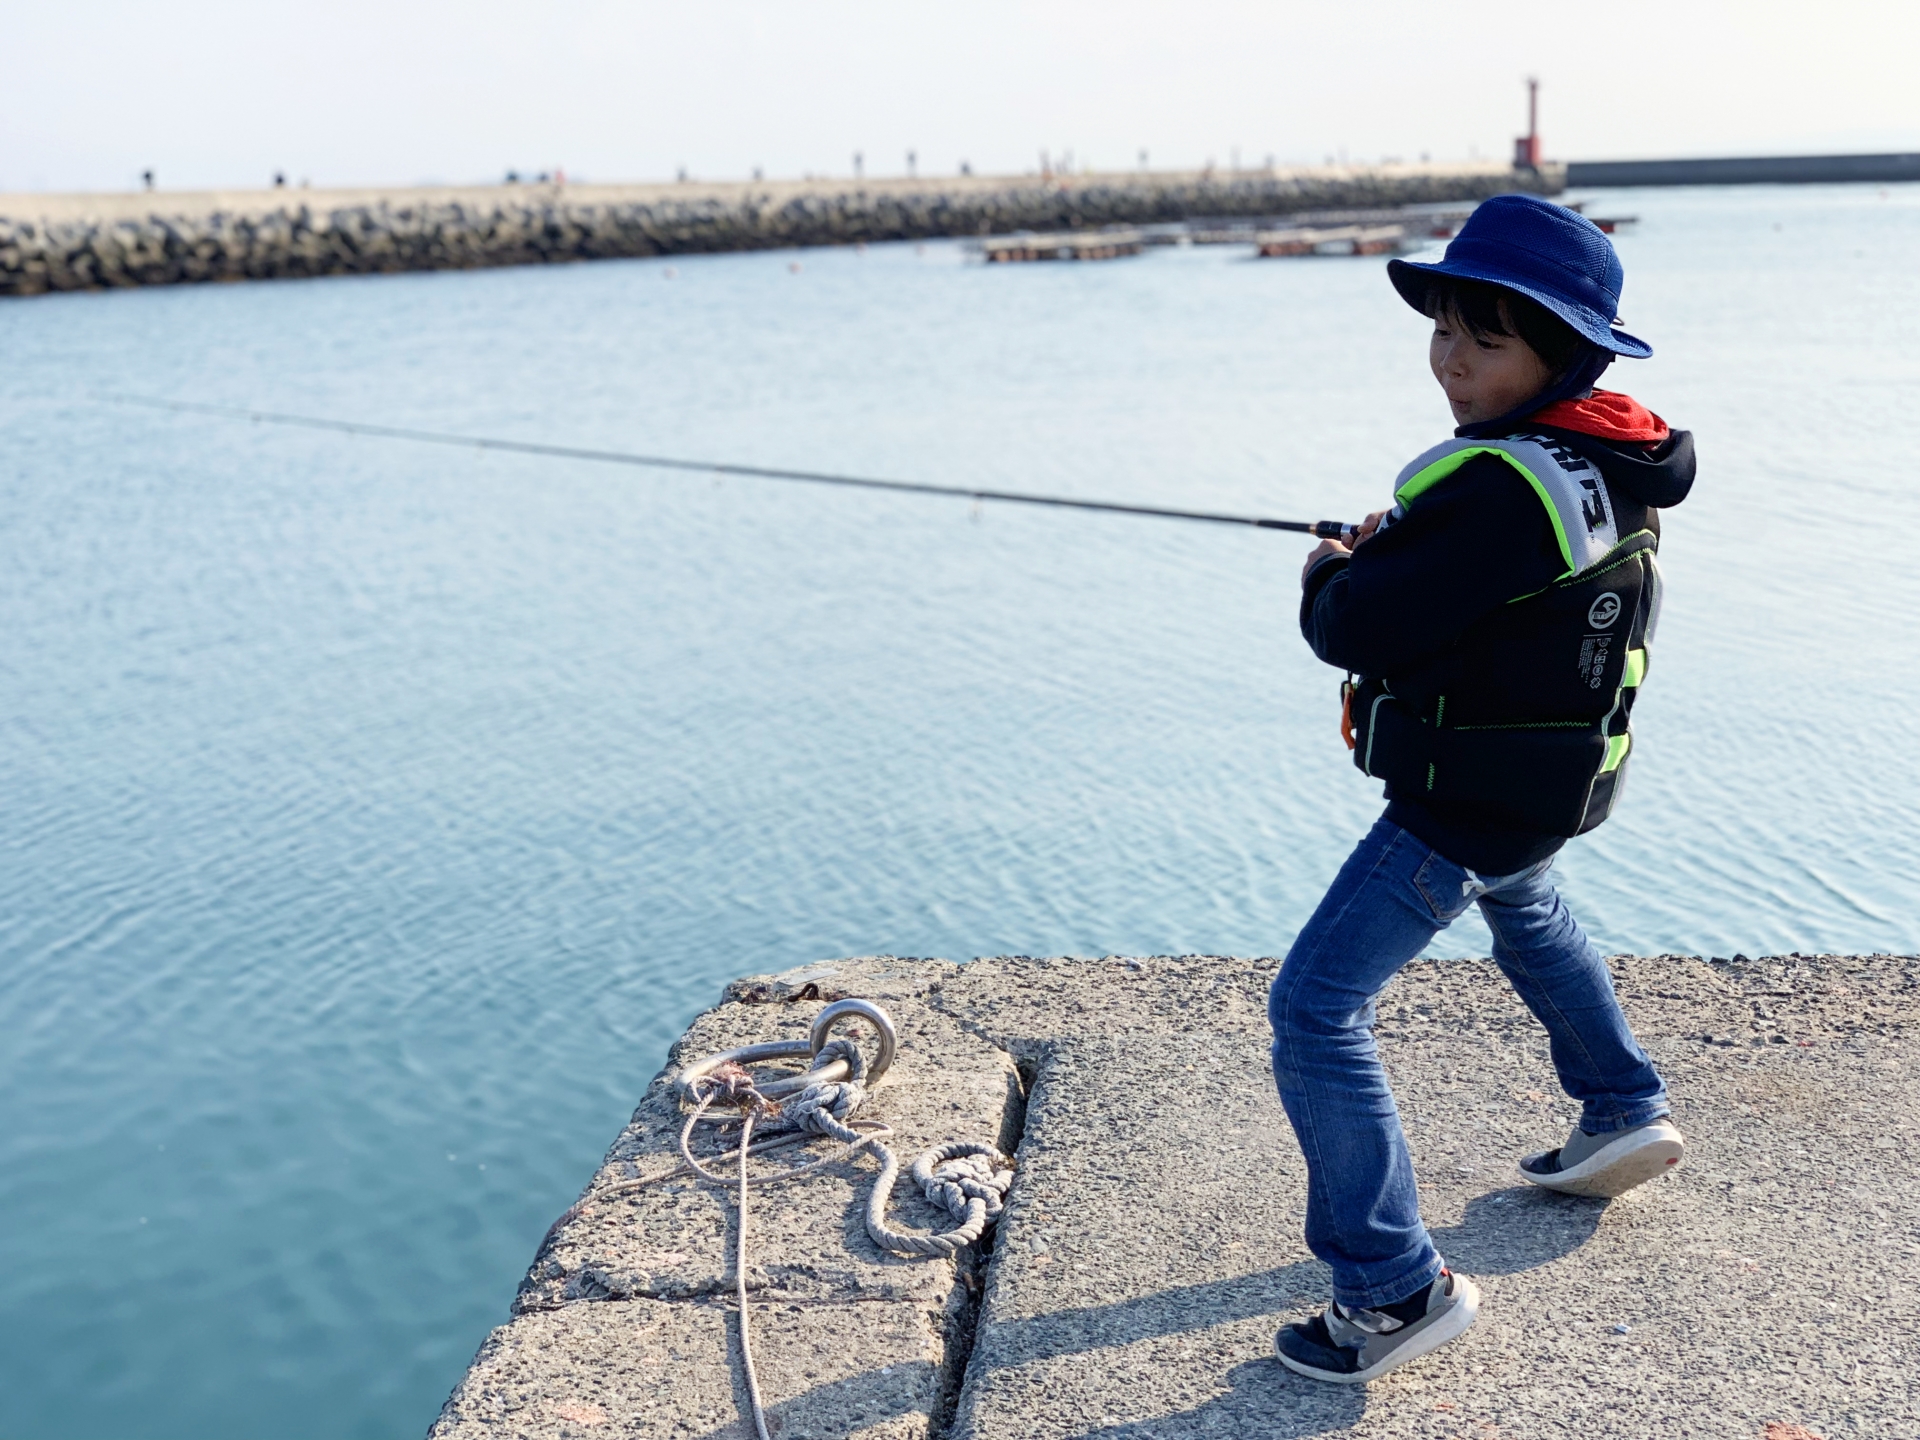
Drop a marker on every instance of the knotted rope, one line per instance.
(824, 1107)
(968, 1181)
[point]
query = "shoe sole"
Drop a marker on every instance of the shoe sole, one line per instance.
(1649, 1153)
(1451, 1325)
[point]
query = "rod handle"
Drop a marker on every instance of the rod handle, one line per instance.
(1333, 530)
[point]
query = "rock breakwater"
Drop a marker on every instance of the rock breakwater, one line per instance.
(94, 242)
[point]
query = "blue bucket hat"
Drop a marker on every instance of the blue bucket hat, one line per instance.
(1544, 251)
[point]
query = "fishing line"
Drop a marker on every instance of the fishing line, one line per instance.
(1325, 529)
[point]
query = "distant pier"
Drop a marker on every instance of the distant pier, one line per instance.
(96, 242)
(1748, 170)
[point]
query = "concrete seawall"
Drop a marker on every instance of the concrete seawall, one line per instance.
(1151, 1241)
(1749, 170)
(91, 242)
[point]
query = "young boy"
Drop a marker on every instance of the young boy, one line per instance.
(1495, 626)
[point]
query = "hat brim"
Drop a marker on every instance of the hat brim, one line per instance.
(1412, 280)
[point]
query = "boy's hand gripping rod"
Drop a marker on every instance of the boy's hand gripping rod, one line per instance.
(1324, 529)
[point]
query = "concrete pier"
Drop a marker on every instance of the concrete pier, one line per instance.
(1750, 170)
(91, 242)
(1151, 1245)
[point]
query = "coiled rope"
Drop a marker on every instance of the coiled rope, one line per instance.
(968, 1181)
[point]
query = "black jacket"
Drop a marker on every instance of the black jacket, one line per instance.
(1478, 541)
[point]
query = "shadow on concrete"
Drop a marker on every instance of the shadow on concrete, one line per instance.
(832, 1411)
(872, 1396)
(1265, 1402)
(1507, 1231)
(1176, 1311)
(1502, 1233)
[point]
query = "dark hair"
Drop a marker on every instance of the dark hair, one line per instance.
(1483, 309)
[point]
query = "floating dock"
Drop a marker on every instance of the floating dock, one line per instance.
(1352, 232)
(1429, 221)
(1342, 240)
(1084, 245)
(1151, 1241)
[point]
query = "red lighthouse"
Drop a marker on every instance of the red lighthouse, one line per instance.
(1526, 149)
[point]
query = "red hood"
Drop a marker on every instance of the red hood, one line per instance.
(1606, 415)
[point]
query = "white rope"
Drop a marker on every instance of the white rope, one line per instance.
(968, 1181)
(627, 1187)
(740, 1286)
(820, 1109)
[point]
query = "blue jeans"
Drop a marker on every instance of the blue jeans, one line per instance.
(1394, 894)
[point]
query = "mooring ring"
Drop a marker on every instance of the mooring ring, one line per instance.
(816, 1040)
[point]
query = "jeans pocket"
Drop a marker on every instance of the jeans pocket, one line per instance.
(1447, 888)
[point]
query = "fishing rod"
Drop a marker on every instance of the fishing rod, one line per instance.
(1324, 529)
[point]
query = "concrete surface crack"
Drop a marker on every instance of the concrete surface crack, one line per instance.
(971, 1266)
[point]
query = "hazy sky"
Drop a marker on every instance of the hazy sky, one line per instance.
(224, 92)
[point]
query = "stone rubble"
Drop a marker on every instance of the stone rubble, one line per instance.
(93, 242)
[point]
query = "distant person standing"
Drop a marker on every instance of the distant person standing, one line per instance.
(1495, 624)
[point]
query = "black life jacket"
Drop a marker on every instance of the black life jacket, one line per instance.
(1523, 721)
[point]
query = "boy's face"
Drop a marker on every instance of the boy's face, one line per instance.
(1487, 377)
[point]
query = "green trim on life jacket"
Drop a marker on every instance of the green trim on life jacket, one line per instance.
(1424, 480)
(1617, 747)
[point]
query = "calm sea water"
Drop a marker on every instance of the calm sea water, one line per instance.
(375, 815)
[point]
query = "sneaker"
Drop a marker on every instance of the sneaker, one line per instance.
(1607, 1165)
(1351, 1347)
